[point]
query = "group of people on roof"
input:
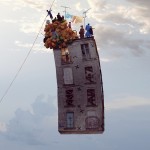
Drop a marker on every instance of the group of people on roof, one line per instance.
(58, 18)
(84, 33)
(89, 31)
(58, 33)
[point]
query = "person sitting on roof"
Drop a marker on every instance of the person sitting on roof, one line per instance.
(87, 28)
(62, 18)
(55, 19)
(81, 32)
(50, 14)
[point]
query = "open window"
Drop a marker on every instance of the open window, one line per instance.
(85, 51)
(65, 56)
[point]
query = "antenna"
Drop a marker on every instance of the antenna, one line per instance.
(84, 13)
(65, 9)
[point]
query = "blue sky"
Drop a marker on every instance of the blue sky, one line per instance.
(28, 114)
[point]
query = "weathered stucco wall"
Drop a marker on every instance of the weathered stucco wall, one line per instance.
(81, 102)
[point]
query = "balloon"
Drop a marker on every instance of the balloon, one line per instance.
(58, 35)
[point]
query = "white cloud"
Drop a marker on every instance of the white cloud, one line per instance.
(18, 4)
(105, 59)
(9, 21)
(135, 14)
(145, 3)
(23, 19)
(36, 48)
(126, 103)
(20, 44)
(32, 26)
(78, 6)
(97, 5)
(142, 17)
(120, 26)
(28, 26)
(111, 37)
(32, 128)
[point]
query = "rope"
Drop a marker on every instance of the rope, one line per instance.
(52, 4)
(20, 68)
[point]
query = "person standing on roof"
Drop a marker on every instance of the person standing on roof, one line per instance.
(81, 32)
(59, 18)
(91, 31)
(87, 28)
(50, 14)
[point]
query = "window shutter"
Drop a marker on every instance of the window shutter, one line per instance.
(68, 76)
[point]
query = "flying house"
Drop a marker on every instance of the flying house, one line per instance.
(80, 88)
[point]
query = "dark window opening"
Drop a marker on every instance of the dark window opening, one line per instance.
(85, 50)
(91, 98)
(69, 98)
(89, 75)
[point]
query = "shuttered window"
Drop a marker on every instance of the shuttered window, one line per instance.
(85, 50)
(68, 76)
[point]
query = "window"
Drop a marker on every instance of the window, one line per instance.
(85, 50)
(65, 57)
(92, 122)
(89, 75)
(68, 76)
(70, 119)
(91, 99)
(69, 98)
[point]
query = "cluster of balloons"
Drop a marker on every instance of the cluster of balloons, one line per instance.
(58, 35)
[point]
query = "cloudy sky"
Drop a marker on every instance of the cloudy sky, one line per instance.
(28, 113)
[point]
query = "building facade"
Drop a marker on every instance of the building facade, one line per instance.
(80, 88)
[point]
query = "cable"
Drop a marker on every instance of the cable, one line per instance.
(52, 4)
(5, 93)
(20, 68)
